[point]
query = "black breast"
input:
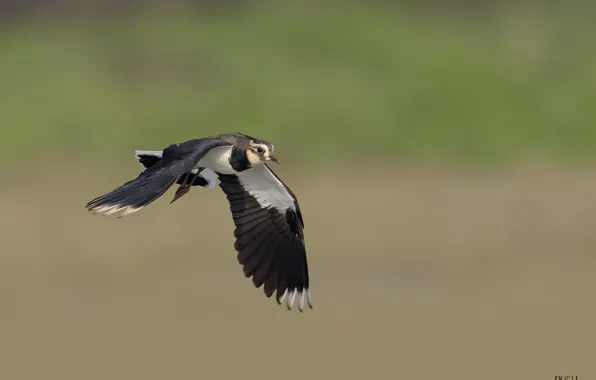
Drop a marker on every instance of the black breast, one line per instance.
(238, 158)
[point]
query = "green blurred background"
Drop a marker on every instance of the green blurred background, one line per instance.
(444, 153)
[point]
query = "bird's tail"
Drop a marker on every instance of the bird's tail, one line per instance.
(133, 195)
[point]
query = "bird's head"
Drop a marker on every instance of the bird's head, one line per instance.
(260, 151)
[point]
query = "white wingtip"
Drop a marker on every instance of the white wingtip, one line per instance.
(283, 297)
(130, 210)
(292, 294)
(104, 209)
(301, 300)
(291, 298)
(113, 209)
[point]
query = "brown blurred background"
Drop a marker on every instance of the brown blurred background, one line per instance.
(443, 153)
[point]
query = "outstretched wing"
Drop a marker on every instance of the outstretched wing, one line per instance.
(269, 233)
(176, 161)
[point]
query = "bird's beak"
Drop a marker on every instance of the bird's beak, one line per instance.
(274, 159)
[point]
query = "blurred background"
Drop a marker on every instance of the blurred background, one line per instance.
(444, 154)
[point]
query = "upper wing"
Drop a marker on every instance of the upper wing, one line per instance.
(176, 160)
(203, 177)
(269, 233)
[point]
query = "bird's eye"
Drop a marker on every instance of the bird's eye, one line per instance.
(260, 150)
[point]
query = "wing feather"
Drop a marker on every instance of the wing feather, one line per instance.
(269, 233)
(162, 171)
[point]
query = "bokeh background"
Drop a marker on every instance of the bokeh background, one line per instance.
(444, 153)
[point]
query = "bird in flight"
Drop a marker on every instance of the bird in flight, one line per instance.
(269, 226)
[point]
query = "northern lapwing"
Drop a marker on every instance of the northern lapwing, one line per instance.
(269, 224)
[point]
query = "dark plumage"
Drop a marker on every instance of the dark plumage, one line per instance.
(269, 224)
(269, 242)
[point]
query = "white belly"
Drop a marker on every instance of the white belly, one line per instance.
(218, 160)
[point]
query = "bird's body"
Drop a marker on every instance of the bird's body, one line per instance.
(218, 160)
(269, 223)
